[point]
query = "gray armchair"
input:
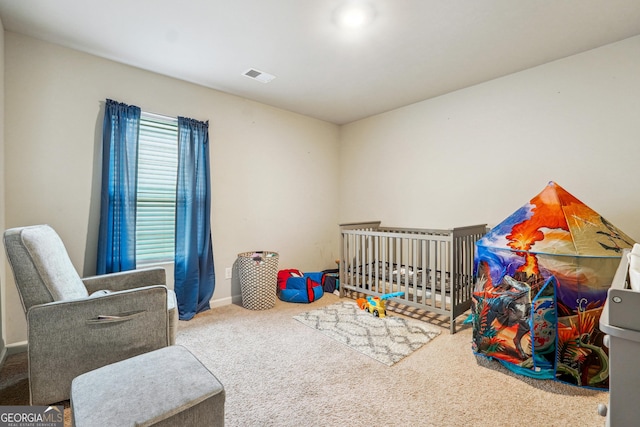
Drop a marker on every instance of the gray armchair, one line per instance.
(76, 325)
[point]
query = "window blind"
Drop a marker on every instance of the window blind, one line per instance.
(156, 201)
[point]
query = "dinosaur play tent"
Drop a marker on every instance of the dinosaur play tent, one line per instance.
(541, 282)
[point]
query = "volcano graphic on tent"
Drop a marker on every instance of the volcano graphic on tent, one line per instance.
(542, 277)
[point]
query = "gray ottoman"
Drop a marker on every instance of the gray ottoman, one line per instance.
(166, 387)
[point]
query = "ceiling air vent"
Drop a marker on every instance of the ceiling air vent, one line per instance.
(261, 76)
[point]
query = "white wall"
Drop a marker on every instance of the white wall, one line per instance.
(472, 156)
(478, 154)
(274, 173)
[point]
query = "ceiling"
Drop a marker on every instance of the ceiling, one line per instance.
(411, 51)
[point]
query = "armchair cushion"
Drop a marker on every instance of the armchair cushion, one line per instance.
(48, 254)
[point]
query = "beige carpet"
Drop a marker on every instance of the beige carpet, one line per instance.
(279, 372)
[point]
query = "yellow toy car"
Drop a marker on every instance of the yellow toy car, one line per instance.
(376, 305)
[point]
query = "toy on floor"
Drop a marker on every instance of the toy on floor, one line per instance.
(376, 305)
(296, 286)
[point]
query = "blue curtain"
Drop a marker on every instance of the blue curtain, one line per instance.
(117, 235)
(195, 279)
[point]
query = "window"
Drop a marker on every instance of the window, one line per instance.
(156, 201)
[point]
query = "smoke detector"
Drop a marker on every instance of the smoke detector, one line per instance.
(258, 75)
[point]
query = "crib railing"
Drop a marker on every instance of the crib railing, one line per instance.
(433, 268)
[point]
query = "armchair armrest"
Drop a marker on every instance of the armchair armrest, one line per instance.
(126, 280)
(69, 338)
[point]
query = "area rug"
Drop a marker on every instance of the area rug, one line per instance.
(387, 340)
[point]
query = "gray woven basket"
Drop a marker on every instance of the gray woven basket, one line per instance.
(258, 274)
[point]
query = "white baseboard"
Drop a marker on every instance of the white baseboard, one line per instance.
(10, 349)
(3, 355)
(236, 299)
(17, 347)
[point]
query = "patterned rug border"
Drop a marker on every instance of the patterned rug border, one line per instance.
(386, 340)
